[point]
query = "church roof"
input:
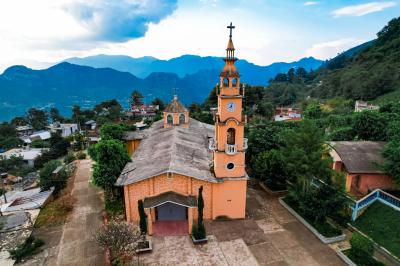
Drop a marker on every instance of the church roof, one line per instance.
(175, 106)
(230, 45)
(176, 150)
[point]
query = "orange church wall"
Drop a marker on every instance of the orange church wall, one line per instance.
(132, 145)
(221, 160)
(221, 135)
(154, 186)
(369, 182)
(229, 199)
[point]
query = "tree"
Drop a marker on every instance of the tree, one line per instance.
(305, 153)
(76, 114)
(19, 121)
(55, 115)
(143, 217)
(58, 145)
(313, 111)
(199, 231)
(111, 110)
(136, 98)
(362, 249)
(38, 119)
(270, 167)
(159, 102)
(47, 179)
(370, 125)
(112, 131)
(120, 237)
(12, 163)
(391, 153)
(8, 136)
(266, 109)
(110, 157)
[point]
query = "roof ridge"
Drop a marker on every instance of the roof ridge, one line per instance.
(173, 148)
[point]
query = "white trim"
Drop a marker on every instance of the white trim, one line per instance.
(168, 201)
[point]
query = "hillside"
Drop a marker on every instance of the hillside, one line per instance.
(192, 64)
(372, 72)
(65, 85)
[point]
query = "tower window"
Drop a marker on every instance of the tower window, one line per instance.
(230, 138)
(226, 82)
(182, 119)
(234, 82)
(170, 119)
(230, 166)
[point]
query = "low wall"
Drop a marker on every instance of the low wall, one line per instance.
(325, 240)
(271, 192)
(344, 258)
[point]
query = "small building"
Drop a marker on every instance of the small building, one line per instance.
(144, 110)
(360, 161)
(287, 114)
(24, 130)
(38, 135)
(361, 106)
(90, 125)
(176, 113)
(65, 130)
(132, 140)
(28, 155)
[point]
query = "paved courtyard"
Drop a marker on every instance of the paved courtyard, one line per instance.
(269, 236)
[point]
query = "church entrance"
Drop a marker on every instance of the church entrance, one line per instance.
(171, 212)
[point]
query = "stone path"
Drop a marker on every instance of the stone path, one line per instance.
(77, 246)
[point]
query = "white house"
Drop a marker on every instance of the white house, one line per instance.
(28, 155)
(64, 129)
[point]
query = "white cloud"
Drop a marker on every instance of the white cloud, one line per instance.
(310, 3)
(327, 50)
(361, 10)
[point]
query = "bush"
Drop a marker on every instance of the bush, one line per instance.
(81, 156)
(69, 158)
(29, 247)
(48, 180)
(361, 250)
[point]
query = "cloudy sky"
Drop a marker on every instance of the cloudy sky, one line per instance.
(39, 32)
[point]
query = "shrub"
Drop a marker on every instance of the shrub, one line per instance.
(361, 250)
(29, 247)
(81, 156)
(69, 158)
(47, 179)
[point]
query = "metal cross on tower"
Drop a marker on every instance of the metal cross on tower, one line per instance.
(230, 27)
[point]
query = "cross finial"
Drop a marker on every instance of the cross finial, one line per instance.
(175, 91)
(230, 27)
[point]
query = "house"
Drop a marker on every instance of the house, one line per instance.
(65, 130)
(360, 161)
(177, 155)
(38, 135)
(24, 130)
(28, 155)
(361, 106)
(287, 114)
(90, 125)
(144, 110)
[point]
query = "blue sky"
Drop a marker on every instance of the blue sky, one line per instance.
(38, 33)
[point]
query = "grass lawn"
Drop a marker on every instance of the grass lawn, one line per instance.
(382, 224)
(54, 213)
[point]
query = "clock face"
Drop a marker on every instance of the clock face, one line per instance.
(231, 106)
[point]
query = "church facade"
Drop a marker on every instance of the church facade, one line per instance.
(177, 155)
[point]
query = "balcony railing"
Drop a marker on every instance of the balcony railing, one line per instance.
(230, 149)
(212, 144)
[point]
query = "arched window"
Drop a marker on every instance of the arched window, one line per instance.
(230, 139)
(234, 82)
(226, 82)
(182, 119)
(170, 120)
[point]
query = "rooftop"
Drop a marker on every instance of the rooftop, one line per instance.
(25, 154)
(175, 106)
(360, 156)
(175, 150)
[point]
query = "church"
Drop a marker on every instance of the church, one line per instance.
(177, 155)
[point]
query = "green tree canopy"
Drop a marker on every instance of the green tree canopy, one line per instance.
(136, 98)
(112, 131)
(38, 119)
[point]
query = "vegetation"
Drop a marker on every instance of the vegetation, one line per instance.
(28, 248)
(362, 250)
(69, 158)
(55, 212)
(47, 179)
(10, 164)
(8, 137)
(199, 230)
(380, 222)
(120, 237)
(81, 156)
(143, 217)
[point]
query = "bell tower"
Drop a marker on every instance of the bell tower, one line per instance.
(229, 144)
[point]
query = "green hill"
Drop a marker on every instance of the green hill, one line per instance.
(368, 74)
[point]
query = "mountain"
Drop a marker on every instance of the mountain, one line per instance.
(66, 84)
(191, 64)
(367, 72)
